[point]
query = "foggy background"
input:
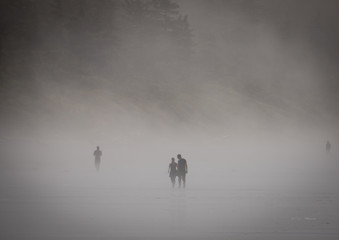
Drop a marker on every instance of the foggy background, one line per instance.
(84, 73)
(245, 90)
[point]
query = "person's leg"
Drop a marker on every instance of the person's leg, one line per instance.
(97, 164)
(179, 176)
(184, 179)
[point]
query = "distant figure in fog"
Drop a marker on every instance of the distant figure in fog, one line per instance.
(172, 169)
(182, 170)
(97, 155)
(328, 146)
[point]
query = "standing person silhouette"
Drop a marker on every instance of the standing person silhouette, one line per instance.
(172, 169)
(97, 155)
(328, 146)
(182, 170)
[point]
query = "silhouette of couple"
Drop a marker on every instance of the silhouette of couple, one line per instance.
(178, 170)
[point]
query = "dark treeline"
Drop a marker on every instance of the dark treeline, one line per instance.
(88, 34)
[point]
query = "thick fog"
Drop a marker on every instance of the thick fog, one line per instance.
(245, 91)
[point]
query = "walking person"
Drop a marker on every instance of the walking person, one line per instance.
(97, 157)
(328, 146)
(172, 170)
(182, 170)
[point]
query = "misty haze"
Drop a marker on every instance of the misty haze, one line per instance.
(97, 97)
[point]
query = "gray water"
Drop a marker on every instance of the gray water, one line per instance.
(243, 203)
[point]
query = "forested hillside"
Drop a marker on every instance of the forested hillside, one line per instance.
(92, 67)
